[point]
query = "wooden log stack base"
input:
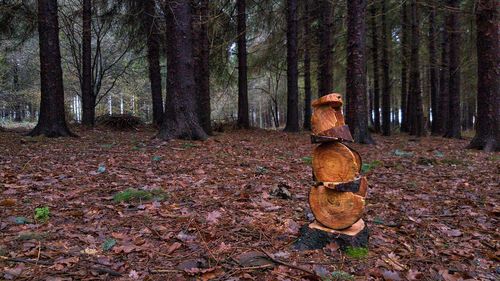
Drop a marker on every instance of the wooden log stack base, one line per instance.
(337, 199)
(316, 236)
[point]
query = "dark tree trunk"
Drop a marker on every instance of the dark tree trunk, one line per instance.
(88, 98)
(386, 94)
(404, 67)
(202, 71)
(180, 118)
(357, 112)
(325, 53)
(243, 120)
(452, 24)
(415, 101)
(51, 121)
(292, 112)
(433, 71)
(307, 68)
(153, 45)
(488, 85)
(376, 65)
(444, 101)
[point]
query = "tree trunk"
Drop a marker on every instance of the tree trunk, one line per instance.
(243, 120)
(444, 101)
(180, 118)
(307, 68)
(153, 45)
(386, 94)
(292, 112)
(357, 112)
(88, 98)
(404, 67)
(376, 65)
(325, 53)
(202, 56)
(415, 100)
(488, 97)
(433, 71)
(452, 24)
(51, 121)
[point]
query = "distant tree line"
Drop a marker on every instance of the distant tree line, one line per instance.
(403, 65)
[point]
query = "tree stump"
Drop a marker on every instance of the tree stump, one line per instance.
(315, 236)
(337, 200)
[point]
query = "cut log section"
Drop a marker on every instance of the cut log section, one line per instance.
(327, 113)
(316, 236)
(358, 186)
(340, 133)
(335, 162)
(335, 209)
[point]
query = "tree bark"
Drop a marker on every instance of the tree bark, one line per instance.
(180, 118)
(386, 94)
(153, 45)
(433, 71)
(326, 44)
(404, 67)
(88, 98)
(488, 97)
(202, 58)
(453, 26)
(443, 110)
(376, 65)
(292, 112)
(307, 68)
(243, 119)
(51, 120)
(357, 112)
(415, 100)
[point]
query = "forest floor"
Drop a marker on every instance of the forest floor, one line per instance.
(432, 209)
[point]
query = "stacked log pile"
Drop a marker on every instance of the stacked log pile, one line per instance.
(337, 199)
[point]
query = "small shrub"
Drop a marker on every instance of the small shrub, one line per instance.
(108, 244)
(307, 160)
(339, 276)
(356, 252)
(367, 167)
(132, 194)
(189, 145)
(42, 214)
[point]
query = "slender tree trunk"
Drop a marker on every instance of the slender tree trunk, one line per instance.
(376, 65)
(326, 44)
(202, 71)
(433, 71)
(153, 45)
(404, 67)
(243, 120)
(444, 101)
(416, 108)
(386, 94)
(357, 112)
(181, 118)
(452, 23)
(488, 85)
(292, 112)
(307, 68)
(88, 98)
(51, 121)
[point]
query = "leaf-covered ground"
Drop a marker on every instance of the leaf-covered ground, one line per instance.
(432, 209)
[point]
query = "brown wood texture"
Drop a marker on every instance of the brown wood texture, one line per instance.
(334, 209)
(327, 113)
(335, 162)
(358, 186)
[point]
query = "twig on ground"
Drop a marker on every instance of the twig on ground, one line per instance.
(287, 264)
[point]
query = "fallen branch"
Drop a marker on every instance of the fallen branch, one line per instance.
(288, 264)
